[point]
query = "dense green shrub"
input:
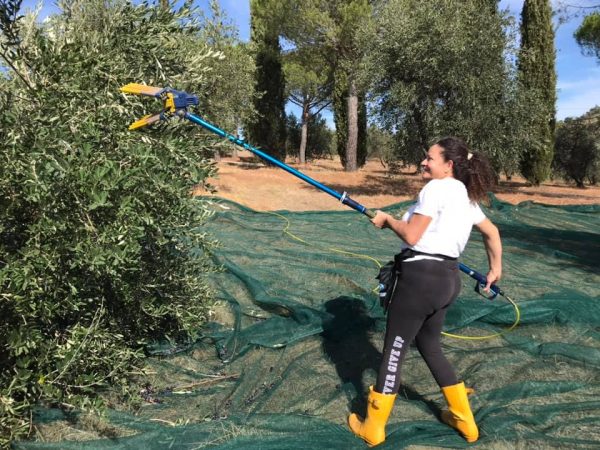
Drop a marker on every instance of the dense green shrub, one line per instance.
(101, 243)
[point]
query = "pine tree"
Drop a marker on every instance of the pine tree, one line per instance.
(268, 130)
(334, 28)
(340, 109)
(588, 35)
(538, 80)
(349, 17)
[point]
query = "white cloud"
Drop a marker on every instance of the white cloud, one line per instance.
(592, 80)
(577, 97)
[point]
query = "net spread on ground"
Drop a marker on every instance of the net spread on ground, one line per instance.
(296, 341)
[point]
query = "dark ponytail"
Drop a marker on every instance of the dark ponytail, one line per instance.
(473, 169)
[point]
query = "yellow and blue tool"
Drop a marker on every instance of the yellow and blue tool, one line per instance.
(176, 103)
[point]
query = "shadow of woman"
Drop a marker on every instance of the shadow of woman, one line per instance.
(346, 341)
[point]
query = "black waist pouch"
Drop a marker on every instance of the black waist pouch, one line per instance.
(388, 278)
(390, 274)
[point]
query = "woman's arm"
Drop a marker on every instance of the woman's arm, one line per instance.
(410, 232)
(493, 247)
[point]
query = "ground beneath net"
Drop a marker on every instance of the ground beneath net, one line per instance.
(244, 179)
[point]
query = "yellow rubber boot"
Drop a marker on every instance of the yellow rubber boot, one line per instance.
(372, 428)
(459, 413)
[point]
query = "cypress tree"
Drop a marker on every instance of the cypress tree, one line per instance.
(340, 113)
(537, 74)
(268, 130)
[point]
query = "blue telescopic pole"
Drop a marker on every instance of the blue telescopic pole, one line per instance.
(344, 198)
(481, 280)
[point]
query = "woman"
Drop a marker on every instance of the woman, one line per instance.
(435, 231)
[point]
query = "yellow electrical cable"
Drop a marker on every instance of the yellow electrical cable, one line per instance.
(361, 256)
(490, 336)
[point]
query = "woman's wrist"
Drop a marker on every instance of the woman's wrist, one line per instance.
(496, 271)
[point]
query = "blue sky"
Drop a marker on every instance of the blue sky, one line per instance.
(578, 85)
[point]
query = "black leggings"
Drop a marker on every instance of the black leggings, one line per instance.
(425, 290)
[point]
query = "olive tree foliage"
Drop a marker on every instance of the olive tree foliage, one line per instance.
(228, 94)
(577, 148)
(380, 144)
(445, 69)
(102, 246)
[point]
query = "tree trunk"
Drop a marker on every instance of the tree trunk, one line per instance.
(419, 121)
(238, 134)
(304, 133)
(352, 141)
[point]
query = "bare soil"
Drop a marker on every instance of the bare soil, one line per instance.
(246, 180)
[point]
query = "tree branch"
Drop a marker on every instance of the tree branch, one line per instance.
(16, 71)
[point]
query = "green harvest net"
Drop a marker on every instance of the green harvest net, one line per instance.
(297, 338)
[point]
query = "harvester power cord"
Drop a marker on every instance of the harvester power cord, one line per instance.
(286, 231)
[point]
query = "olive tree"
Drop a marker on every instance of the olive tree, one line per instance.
(577, 148)
(444, 69)
(102, 244)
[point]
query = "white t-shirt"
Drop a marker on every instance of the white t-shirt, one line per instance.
(453, 215)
